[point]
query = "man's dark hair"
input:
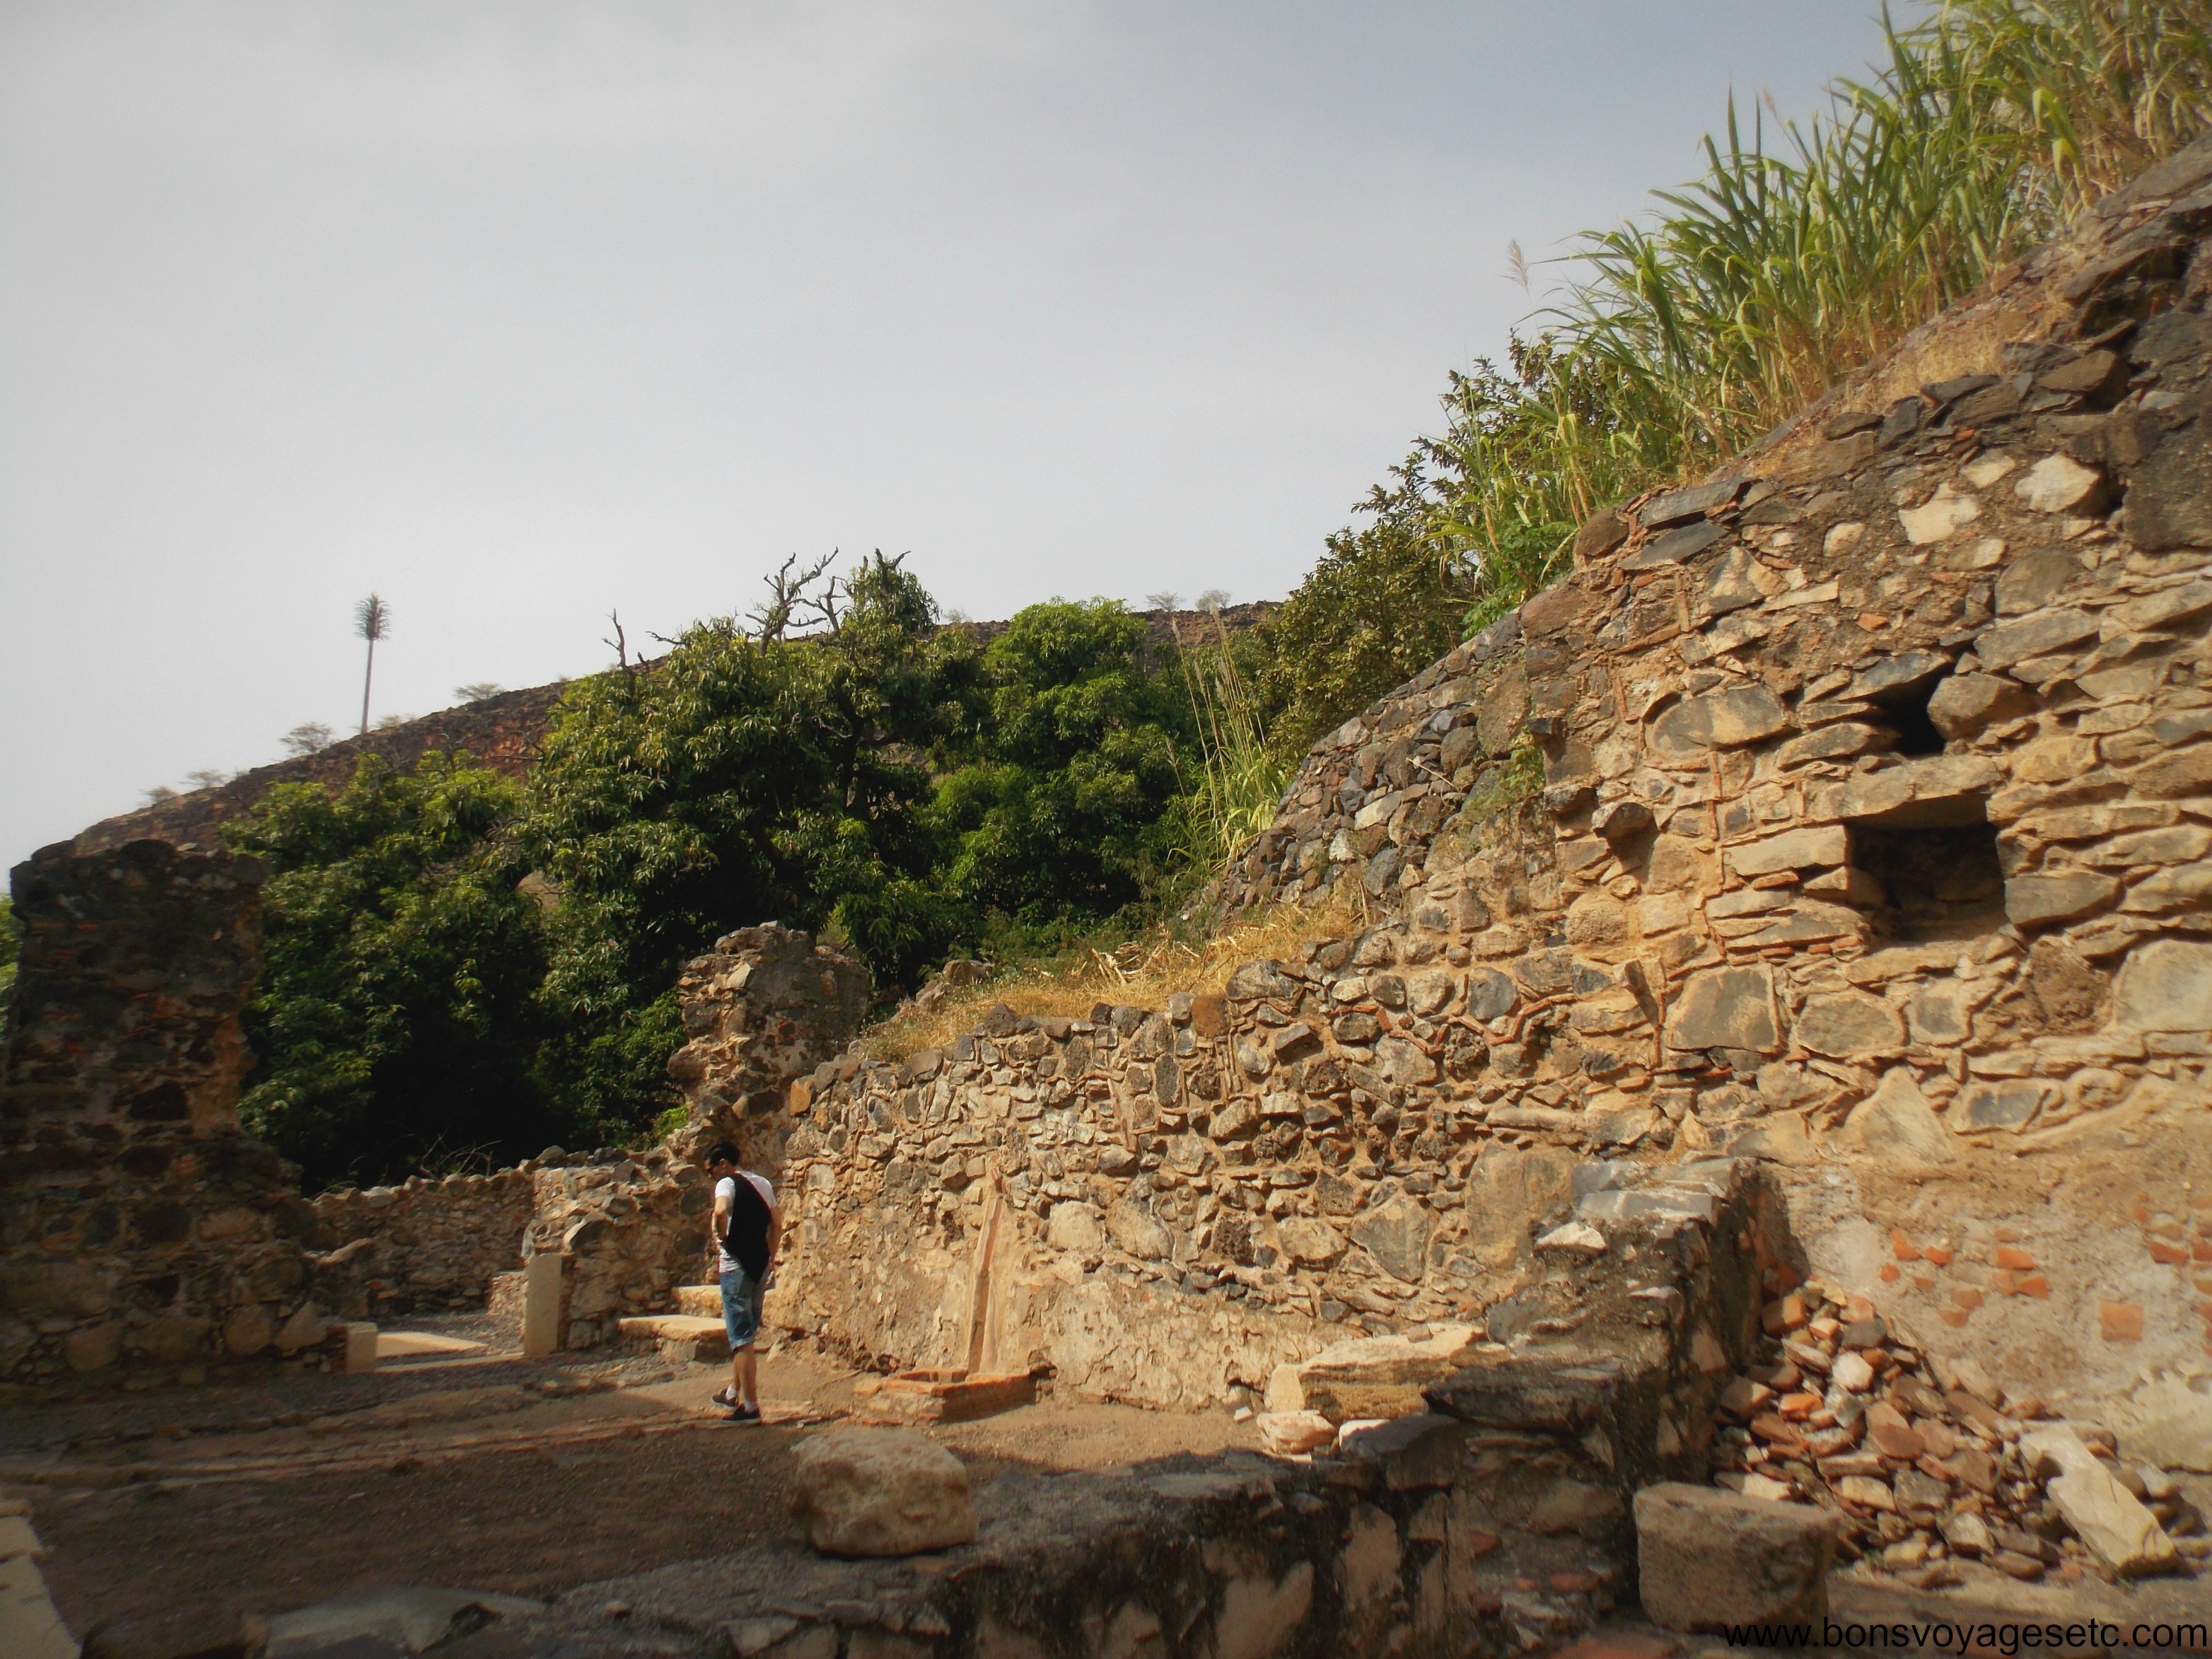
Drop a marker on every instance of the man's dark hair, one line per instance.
(721, 1153)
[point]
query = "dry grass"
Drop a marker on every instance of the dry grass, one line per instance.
(1143, 973)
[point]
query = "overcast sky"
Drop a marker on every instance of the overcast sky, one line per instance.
(519, 313)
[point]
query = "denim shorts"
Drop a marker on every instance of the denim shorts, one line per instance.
(741, 1308)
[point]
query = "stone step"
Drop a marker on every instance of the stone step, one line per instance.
(701, 1301)
(689, 1338)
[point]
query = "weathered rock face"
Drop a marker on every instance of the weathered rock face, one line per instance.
(768, 1007)
(140, 1232)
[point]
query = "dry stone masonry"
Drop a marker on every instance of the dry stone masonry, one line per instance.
(141, 1235)
(1854, 809)
(144, 1240)
(767, 1006)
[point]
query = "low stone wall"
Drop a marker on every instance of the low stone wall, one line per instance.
(629, 1227)
(423, 1244)
(1496, 1521)
(1163, 1207)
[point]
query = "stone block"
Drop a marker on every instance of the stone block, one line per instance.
(1725, 1008)
(2107, 1517)
(1504, 1190)
(1896, 1125)
(2059, 484)
(880, 1493)
(1724, 719)
(1382, 1376)
(541, 1304)
(1259, 1614)
(1708, 1558)
(1396, 1234)
(2164, 985)
(1966, 705)
(2040, 634)
(1132, 1225)
(1074, 1227)
(1289, 1434)
(1849, 1025)
(2037, 901)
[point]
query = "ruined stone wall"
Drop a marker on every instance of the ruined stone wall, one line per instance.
(1872, 829)
(629, 1227)
(424, 1243)
(766, 1007)
(141, 1235)
(1850, 810)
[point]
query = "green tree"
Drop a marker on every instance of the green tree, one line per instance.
(11, 948)
(1385, 601)
(395, 1025)
(1053, 805)
(742, 779)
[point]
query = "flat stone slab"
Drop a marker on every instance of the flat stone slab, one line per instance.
(689, 1337)
(947, 1395)
(413, 1344)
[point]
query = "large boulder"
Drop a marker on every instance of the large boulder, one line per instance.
(1710, 1558)
(880, 1492)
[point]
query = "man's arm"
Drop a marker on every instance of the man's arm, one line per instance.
(775, 1237)
(719, 1226)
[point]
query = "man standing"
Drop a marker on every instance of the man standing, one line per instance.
(747, 1228)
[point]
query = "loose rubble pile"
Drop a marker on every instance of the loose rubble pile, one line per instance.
(1926, 1461)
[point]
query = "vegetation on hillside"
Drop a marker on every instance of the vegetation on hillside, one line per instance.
(397, 1020)
(846, 763)
(11, 947)
(1799, 252)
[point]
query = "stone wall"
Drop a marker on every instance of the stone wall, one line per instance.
(767, 1008)
(1493, 1517)
(1852, 810)
(422, 1244)
(142, 1238)
(1874, 805)
(630, 1228)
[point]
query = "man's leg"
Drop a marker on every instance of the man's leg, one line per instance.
(735, 1330)
(746, 1360)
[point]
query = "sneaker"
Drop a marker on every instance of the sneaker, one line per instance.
(745, 1414)
(727, 1397)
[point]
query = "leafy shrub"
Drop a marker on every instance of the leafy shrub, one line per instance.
(396, 1021)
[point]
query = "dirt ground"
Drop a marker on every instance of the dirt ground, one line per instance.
(162, 1534)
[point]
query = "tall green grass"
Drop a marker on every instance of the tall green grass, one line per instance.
(1802, 250)
(1240, 779)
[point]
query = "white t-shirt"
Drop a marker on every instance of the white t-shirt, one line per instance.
(726, 1188)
